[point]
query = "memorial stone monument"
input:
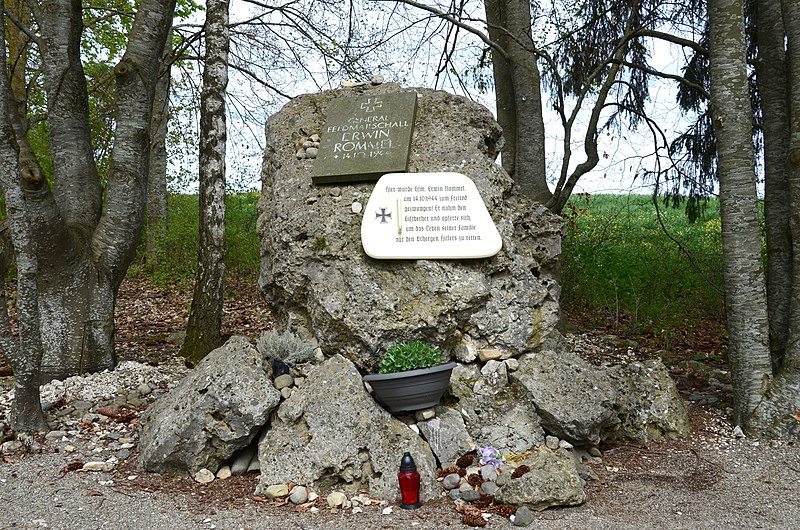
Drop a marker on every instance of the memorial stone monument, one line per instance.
(355, 300)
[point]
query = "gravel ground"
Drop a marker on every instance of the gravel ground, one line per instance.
(712, 479)
(707, 481)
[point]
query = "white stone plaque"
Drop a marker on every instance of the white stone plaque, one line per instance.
(428, 216)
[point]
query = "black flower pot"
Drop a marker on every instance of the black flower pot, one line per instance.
(413, 389)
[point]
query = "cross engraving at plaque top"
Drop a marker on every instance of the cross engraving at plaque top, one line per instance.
(371, 104)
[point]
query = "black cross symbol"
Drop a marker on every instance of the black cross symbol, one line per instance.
(383, 215)
(370, 105)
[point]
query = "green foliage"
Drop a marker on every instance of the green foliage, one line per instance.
(285, 347)
(621, 267)
(410, 356)
(177, 259)
(319, 243)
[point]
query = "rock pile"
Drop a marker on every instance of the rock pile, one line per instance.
(323, 431)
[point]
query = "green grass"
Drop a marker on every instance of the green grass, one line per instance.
(622, 270)
(177, 260)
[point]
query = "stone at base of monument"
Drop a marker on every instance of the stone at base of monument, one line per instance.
(411, 390)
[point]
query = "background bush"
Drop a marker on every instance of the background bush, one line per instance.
(177, 259)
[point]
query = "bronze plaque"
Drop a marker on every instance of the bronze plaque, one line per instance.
(365, 138)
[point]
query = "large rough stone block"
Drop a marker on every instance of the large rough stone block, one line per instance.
(213, 412)
(315, 273)
(447, 435)
(331, 433)
(504, 418)
(553, 480)
(648, 403)
(574, 399)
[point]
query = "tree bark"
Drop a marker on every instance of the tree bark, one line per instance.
(73, 248)
(778, 415)
(773, 86)
(745, 291)
(203, 332)
(518, 95)
(157, 208)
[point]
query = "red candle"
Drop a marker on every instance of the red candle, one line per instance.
(408, 477)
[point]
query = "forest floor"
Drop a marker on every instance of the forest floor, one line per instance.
(711, 479)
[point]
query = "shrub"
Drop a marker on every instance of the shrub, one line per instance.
(286, 347)
(410, 356)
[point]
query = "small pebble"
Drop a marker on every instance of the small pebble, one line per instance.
(276, 490)
(488, 472)
(489, 488)
(425, 414)
(284, 381)
(299, 495)
(336, 498)
(98, 466)
(470, 495)
(55, 435)
(523, 517)
(451, 481)
(204, 476)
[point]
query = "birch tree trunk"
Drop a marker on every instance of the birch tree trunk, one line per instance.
(778, 415)
(203, 332)
(745, 292)
(157, 210)
(75, 242)
(773, 86)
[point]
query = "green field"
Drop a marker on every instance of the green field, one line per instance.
(623, 271)
(626, 272)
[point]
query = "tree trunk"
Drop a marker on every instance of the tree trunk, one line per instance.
(778, 415)
(157, 210)
(772, 84)
(518, 95)
(745, 291)
(74, 243)
(203, 332)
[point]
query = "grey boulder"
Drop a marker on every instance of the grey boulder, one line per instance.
(331, 434)
(574, 399)
(316, 275)
(447, 436)
(648, 403)
(553, 480)
(504, 418)
(213, 412)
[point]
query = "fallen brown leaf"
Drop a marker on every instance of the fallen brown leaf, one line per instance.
(72, 466)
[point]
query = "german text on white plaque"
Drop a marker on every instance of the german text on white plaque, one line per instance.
(428, 216)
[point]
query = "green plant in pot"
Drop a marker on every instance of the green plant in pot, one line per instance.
(411, 376)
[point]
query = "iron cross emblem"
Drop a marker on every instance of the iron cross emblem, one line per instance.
(383, 215)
